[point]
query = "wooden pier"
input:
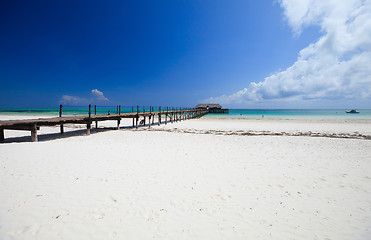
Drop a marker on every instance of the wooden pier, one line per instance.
(164, 116)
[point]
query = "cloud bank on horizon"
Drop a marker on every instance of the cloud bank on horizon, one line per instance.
(96, 97)
(336, 68)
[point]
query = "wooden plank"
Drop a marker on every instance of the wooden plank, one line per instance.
(22, 127)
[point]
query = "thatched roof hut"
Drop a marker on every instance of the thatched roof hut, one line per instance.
(208, 106)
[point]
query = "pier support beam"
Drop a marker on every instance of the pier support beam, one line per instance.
(33, 133)
(88, 126)
(2, 137)
(60, 115)
(159, 116)
(137, 118)
(118, 124)
(132, 110)
(150, 116)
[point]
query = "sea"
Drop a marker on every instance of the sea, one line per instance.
(341, 115)
(364, 115)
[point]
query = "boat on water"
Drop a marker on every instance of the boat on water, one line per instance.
(352, 111)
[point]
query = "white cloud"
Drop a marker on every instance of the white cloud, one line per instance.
(96, 97)
(336, 67)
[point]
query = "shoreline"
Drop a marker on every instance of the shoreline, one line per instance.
(205, 118)
(354, 130)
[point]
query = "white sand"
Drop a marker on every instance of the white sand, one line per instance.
(167, 184)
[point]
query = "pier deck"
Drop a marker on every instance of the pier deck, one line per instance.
(34, 124)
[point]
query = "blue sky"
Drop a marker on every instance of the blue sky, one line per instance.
(248, 54)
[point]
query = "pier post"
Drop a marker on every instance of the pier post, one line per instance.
(167, 109)
(149, 117)
(2, 136)
(95, 113)
(132, 110)
(172, 115)
(88, 125)
(159, 116)
(144, 111)
(118, 124)
(60, 115)
(119, 109)
(153, 119)
(33, 133)
(137, 117)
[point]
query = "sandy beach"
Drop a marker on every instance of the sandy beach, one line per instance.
(195, 179)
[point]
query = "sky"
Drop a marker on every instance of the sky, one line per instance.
(240, 54)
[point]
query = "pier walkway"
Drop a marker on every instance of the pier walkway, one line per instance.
(139, 118)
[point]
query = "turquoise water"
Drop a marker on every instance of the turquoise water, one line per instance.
(277, 114)
(295, 114)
